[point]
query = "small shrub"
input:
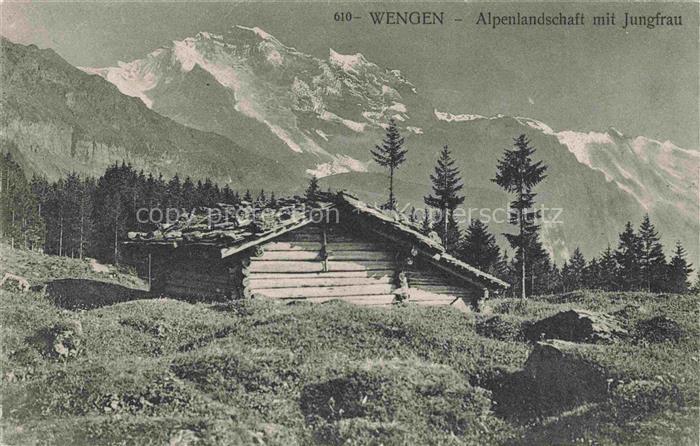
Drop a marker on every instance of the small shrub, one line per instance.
(659, 329)
(421, 397)
(500, 328)
(641, 398)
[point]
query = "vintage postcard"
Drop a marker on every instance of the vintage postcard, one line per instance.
(334, 223)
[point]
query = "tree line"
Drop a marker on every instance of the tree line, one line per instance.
(79, 217)
(638, 262)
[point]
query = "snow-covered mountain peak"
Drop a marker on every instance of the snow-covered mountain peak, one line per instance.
(348, 62)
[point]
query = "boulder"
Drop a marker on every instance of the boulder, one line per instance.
(577, 326)
(563, 373)
(557, 376)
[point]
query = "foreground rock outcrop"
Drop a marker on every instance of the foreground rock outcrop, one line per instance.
(577, 326)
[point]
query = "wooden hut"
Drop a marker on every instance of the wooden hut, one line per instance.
(337, 248)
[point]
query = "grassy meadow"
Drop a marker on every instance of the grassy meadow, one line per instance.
(88, 358)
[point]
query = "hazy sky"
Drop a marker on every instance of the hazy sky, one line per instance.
(641, 81)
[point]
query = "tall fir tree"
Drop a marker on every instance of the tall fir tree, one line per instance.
(390, 154)
(479, 248)
(446, 184)
(517, 173)
(652, 260)
(678, 271)
(628, 257)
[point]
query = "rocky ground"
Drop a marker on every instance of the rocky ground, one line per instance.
(89, 358)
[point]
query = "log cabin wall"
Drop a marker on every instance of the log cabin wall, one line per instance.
(429, 285)
(318, 263)
(195, 274)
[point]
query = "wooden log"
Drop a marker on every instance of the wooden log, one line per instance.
(310, 267)
(360, 265)
(332, 246)
(331, 274)
(339, 291)
(292, 246)
(317, 281)
(440, 289)
(289, 255)
(361, 255)
(282, 267)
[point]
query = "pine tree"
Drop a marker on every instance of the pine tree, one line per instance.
(678, 271)
(452, 235)
(262, 199)
(517, 173)
(312, 190)
(591, 275)
(188, 194)
(628, 257)
(446, 184)
(248, 197)
(609, 280)
(413, 216)
(572, 271)
(173, 193)
(390, 154)
(427, 224)
(554, 281)
(479, 248)
(652, 260)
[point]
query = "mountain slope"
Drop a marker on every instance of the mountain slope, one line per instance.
(56, 119)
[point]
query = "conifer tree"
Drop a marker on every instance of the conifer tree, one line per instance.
(591, 275)
(248, 197)
(390, 154)
(452, 235)
(174, 193)
(413, 216)
(628, 257)
(479, 248)
(188, 194)
(312, 190)
(678, 271)
(446, 184)
(652, 260)
(517, 173)
(609, 280)
(572, 271)
(427, 224)
(262, 199)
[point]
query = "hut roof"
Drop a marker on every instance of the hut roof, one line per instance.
(233, 229)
